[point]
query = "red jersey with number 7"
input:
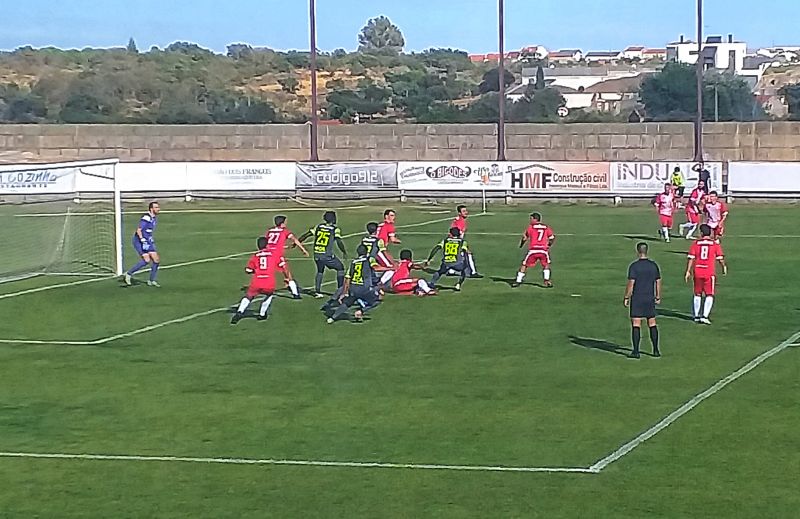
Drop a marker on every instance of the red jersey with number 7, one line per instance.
(539, 236)
(262, 266)
(705, 253)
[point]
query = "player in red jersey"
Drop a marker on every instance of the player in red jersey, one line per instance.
(716, 213)
(460, 223)
(665, 206)
(703, 256)
(263, 266)
(694, 208)
(540, 238)
(388, 234)
(276, 243)
(404, 283)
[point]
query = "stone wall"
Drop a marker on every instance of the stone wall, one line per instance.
(762, 141)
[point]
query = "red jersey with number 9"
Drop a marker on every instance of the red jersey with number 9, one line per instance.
(705, 253)
(539, 236)
(262, 265)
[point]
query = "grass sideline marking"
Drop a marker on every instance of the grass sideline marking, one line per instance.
(313, 463)
(671, 418)
(602, 235)
(189, 263)
(194, 211)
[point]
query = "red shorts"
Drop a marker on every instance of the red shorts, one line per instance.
(405, 286)
(666, 221)
(260, 289)
(705, 286)
(283, 266)
(693, 218)
(539, 256)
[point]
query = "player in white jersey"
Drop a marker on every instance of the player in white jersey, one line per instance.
(665, 206)
(716, 212)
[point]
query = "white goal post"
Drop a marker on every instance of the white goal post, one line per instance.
(60, 219)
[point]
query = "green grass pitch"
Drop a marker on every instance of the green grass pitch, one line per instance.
(491, 376)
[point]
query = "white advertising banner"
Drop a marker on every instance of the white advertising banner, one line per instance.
(648, 178)
(764, 177)
(454, 175)
(37, 179)
(206, 176)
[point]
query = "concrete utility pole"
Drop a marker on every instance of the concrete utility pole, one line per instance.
(501, 123)
(312, 19)
(698, 122)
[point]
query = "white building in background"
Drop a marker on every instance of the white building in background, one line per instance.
(717, 53)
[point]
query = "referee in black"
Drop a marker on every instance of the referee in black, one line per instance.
(642, 294)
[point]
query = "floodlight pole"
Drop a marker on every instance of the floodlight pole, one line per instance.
(698, 121)
(501, 123)
(312, 19)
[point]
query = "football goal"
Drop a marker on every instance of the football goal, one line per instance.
(60, 219)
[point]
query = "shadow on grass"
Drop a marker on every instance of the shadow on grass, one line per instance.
(651, 239)
(672, 314)
(599, 344)
(510, 282)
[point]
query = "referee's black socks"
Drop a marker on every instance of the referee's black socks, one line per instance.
(654, 339)
(636, 337)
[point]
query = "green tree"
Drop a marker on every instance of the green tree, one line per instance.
(491, 80)
(289, 84)
(537, 106)
(381, 35)
(369, 99)
(540, 82)
(239, 51)
(792, 94)
(131, 47)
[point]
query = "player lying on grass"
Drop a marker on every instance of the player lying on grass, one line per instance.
(540, 238)
(404, 283)
(144, 243)
(694, 208)
(359, 287)
(262, 266)
(276, 243)
(325, 234)
(454, 250)
(703, 257)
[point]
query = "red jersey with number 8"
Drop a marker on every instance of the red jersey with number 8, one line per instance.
(539, 236)
(705, 253)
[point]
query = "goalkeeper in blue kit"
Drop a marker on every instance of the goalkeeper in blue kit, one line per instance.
(145, 245)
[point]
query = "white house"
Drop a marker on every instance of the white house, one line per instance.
(718, 54)
(602, 57)
(565, 56)
(534, 52)
(633, 52)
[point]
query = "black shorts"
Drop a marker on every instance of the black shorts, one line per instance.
(680, 190)
(331, 262)
(643, 309)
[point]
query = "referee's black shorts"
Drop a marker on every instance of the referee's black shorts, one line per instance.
(643, 309)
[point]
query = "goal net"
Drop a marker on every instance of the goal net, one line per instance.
(60, 219)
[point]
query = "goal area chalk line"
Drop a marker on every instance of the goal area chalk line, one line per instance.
(595, 468)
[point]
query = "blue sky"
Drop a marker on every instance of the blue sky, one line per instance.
(465, 24)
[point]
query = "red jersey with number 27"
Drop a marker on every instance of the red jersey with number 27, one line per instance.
(539, 236)
(262, 266)
(276, 239)
(705, 253)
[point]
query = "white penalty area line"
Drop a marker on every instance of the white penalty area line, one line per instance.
(691, 404)
(311, 463)
(196, 211)
(603, 235)
(190, 263)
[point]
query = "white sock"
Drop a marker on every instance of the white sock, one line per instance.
(243, 305)
(665, 232)
(265, 306)
(423, 285)
(520, 277)
(546, 274)
(293, 288)
(387, 276)
(698, 303)
(471, 263)
(691, 229)
(708, 305)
